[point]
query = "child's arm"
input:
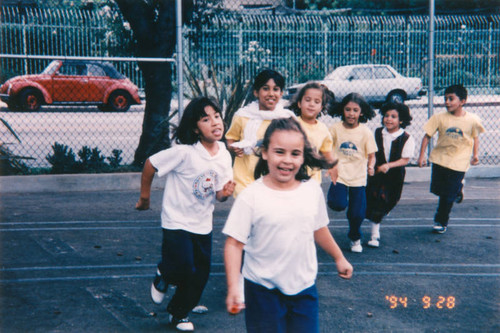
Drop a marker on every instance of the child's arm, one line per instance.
(423, 147)
(329, 156)
(226, 191)
(399, 163)
(237, 151)
(233, 250)
(371, 164)
(475, 152)
(148, 173)
(325, 240)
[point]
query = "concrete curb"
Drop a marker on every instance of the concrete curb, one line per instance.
(132, 181)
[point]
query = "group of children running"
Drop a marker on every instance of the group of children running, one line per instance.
(279, 212)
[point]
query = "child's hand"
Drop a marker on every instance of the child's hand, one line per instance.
(371, 171)
(344, 268)
(383, 168)
(233, 303)
(237, 151)
(333, 173)
(142, 204)
(228, 188)
(422, 162)
(474, 160)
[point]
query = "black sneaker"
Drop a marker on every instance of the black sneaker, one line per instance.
(182, 324)
(439, 228)
(158, 288)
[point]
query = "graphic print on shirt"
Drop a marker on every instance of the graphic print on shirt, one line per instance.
(348, 148)
(454, 133)
(204, 184)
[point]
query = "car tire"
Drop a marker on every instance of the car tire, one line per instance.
(30, 99)
(396, 97)
(119, 101)
(13, 106)
(103, 107)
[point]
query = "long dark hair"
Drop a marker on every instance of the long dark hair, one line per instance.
(266, 75)
(403, 111)
(185, 133)
(367, 112)
(327, 97)
(311, 158)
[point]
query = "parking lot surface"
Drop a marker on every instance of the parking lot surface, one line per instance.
(84, 261)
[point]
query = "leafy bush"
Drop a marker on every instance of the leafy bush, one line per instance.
(91, 160)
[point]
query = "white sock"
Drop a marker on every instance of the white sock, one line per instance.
(375, 230)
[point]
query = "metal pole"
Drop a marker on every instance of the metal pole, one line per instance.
(430, 103)
(180, 79)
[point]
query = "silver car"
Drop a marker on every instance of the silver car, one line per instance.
(377, 83)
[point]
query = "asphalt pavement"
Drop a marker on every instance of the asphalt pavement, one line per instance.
(83, 261)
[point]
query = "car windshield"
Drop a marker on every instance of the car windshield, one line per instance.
(338, 74)
(51, 68)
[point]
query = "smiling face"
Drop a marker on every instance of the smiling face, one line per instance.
(268, 95)
(210, 127)
(453, 103)
(284, 156)
(311, 105)
(352, 112)
(391, 121)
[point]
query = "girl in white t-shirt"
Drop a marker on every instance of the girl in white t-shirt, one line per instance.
(355, 148)
(277, 220)
(198, 171)
(395, 148)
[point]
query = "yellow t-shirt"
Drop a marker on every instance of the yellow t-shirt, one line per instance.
(244, 167)
(453, 149)
(352, 147)
(320, 139)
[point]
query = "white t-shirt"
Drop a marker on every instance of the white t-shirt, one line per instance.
(277, 228)
(408, 148)
(193, 177)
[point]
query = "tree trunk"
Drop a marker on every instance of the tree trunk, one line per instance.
(153, 24)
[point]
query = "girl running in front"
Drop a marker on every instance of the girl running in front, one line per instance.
(250, 122)
(278, 219)
(198, 170)
(307, 104)
(395, 148)
(355, 147)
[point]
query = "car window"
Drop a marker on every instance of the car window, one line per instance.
(382, 73)
(95, 70)
(73, 69)
(51, 68)
(362, 73)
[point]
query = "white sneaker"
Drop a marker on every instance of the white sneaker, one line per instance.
(356, 246)
(374, 242)
(158, 288)
(200, 309)
(183, 324)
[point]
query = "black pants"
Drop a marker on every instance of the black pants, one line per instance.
(185, 263)
(446, 184)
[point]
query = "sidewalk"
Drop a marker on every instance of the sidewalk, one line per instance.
(132, 181)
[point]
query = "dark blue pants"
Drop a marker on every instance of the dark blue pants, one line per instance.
(185, 263)
(446, 184)
(340, 197)
(271, 311)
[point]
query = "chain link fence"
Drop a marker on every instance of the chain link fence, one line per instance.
(228, 38)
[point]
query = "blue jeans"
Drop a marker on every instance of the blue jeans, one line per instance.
(271, 311)
(340, 197)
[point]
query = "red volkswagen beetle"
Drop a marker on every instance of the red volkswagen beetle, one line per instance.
(71, 82)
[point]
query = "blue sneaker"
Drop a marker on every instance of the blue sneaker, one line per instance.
(438, 228)
(158, 288)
